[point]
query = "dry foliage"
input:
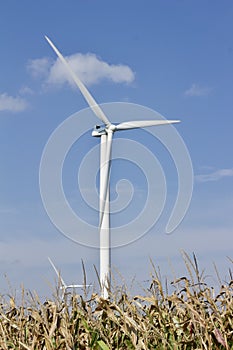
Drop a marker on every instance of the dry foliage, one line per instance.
(190, 317)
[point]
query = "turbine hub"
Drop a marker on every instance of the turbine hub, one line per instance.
(111, 127)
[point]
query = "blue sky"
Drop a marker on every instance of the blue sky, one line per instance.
(175, 57)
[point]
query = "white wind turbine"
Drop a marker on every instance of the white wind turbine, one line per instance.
(64, 286)
(105, 133)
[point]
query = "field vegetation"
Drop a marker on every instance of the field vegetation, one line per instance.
(192, 316)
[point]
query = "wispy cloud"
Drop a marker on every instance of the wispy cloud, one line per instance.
(88, 67)
(215, 176)
(7, 211)
(26, 90)
(39, 67)
(12, 104)
(197, 90)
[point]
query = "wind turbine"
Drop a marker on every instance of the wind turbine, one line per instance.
(64, 286)
(105, 133)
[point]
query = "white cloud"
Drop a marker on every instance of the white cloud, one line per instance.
(215, 176)
(89, 68)
(26, 90)
(39, 67)
(12, 104)
(197, 90)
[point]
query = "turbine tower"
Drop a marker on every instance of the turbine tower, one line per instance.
(106, 134)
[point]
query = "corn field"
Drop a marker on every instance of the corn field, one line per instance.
(193, 316)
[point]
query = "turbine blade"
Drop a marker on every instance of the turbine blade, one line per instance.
(143, 124)
(75, 286)
(57, 273)
(86, 94)
(105, 174)
(78, 285)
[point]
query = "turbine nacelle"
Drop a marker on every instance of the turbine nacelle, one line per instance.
(98, 131)
(103, 130)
